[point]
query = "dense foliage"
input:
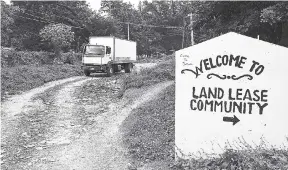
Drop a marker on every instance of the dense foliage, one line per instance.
(156, 26)
(58, 35)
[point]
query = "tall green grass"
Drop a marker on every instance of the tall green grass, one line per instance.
(24, 70)
(23, 78)
(163, 71)
(149, 130)
(251, 159)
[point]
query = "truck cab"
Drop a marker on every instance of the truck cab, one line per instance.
(95, 58)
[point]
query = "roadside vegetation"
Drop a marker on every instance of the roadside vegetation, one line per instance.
(149, 129)
(254, 159)
(156, 26)
(164, 71)
(22, 70)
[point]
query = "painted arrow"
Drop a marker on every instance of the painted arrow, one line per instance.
(231, 119)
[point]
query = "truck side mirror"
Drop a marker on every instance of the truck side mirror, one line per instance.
(108, 50)
(83, 48)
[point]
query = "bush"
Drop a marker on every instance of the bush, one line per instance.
(12, 58)
(71, 58)
(156, 58)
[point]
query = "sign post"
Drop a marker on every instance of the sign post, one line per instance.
(231, 92)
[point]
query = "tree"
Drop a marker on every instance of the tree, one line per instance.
(277, 14)
(7, 21)
(149, 39)
(35, 15)
(58, 35)
(210, 19)
(266, 19)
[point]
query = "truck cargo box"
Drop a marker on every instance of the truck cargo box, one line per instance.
(121, 50)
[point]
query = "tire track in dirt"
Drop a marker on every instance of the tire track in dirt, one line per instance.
(67, 126)
(101, 146)
(25, 121)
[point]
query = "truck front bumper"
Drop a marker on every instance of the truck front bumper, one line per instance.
(95, 68)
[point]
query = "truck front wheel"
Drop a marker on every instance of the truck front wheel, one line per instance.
(110, 71)
(87, 73)
(128, 68)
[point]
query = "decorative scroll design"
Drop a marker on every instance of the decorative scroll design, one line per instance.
(233, 77)
(209, 76)
(182, 72)
(245, 75)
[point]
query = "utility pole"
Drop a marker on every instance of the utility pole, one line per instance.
(183, 33)
(128, 32)
(191, 25)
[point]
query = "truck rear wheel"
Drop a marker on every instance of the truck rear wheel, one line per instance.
(128, 68)
(116, 69)
(110, 71)
(87, 73)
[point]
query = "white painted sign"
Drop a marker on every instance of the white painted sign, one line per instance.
(231, 92)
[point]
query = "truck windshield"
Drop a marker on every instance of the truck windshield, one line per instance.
(94, 49)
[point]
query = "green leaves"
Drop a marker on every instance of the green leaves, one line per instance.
(22, 21)
(7, 20)
(250, 18)
(275, 13)
(59, 35)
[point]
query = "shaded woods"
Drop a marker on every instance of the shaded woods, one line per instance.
(155, 26)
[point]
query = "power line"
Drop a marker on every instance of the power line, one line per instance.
(154, 26)
(147, 25)
(42, 13)
(128, 23)
(34, 19)
(173, 35)
(37, 17)
(45, 20)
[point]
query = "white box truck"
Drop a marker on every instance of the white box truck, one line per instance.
(108, 54)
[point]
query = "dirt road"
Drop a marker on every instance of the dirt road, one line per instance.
(69, 124)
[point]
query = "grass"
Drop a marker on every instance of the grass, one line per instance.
(250, 159)
(164, 71)
(149, 129)
(22, 78)
(25, 70)
(152, 59)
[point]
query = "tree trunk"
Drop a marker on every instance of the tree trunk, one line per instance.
(57, 52)
(284, 36)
